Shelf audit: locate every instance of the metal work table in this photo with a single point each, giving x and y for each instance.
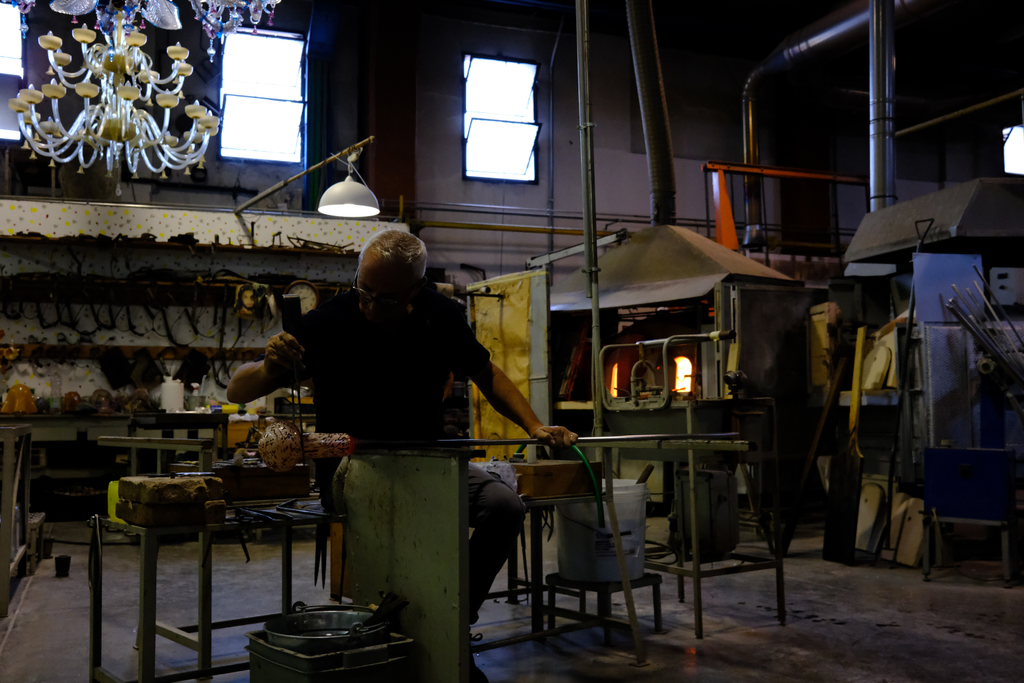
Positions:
(754, 416)
(168, 422)
(16, 461)
(655, 449)
(197, 637)
(69, 426)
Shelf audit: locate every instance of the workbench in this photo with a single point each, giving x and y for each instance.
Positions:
(16, 457)
(754, 419)
(75, 427)
(197, 637)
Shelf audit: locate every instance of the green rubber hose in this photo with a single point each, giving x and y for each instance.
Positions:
(593, 481)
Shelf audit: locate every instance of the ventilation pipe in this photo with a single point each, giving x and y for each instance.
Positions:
(882, 47)
(831, 36)
(653, 111)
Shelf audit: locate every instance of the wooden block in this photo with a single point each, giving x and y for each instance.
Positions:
(909, 552)
(871, 517)
(337, 548)
(876, 368)
(167, 491)
(256, 482)
(188, 514)
(899, 512)
(555, 478)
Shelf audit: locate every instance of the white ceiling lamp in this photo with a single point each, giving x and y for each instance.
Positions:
(349, 198)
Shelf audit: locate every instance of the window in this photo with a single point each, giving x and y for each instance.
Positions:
(261, 97)
(10, 41)
(1013, 150)
(500, 129)
(11, 70)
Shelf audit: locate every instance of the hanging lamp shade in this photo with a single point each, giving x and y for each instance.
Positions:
(350, 199)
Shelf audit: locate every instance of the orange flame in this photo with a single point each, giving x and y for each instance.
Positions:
(684, 375)
(615, 380)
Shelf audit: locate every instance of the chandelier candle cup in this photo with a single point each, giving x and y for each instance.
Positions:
(85, 36)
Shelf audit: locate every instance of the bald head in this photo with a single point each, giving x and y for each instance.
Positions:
(397, 250)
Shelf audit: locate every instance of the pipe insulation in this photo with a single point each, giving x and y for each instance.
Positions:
(650, 86)
(833, 35)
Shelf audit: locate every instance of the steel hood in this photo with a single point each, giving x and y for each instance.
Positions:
(983, 216)
(661, 263)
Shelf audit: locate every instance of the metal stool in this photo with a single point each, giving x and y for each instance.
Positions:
(604, 591)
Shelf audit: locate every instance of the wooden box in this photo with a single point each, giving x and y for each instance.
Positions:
(555, 478)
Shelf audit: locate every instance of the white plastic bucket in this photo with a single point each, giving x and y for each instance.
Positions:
(586, 552)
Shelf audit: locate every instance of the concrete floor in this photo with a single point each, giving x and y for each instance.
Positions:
(864, 623)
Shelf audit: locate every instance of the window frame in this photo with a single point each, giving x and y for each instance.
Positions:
(303, 121)
(462, 121)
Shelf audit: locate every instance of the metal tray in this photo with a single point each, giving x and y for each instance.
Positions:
(395, 646)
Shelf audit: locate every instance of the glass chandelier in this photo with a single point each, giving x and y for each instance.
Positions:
(221, 18)
(114, 78)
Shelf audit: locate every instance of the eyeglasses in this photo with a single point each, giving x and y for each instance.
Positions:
(367, 299)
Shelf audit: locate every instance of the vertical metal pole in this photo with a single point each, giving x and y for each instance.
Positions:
(150, 545)
(7, 498)
(95, 600)
(751, 155)
(204, 633)
(881, 46)
(780, 552)
(286, 571)
(551, 141)
(590, 252)
(536, 573)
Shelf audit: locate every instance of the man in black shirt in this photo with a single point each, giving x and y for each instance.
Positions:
(379, 356)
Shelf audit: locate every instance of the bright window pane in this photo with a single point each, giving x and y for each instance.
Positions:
(261, 95)
(263, 66)
(500, 149)
(499, 90)
(246, 133)
(1013, 150)
(10, 40)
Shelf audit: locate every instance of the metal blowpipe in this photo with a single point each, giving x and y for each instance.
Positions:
(283, 445)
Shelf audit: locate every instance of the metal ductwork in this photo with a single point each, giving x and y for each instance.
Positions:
(882, 93)
(653, 111)
(831, 36)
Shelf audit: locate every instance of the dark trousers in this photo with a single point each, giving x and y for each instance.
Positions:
(496, 516)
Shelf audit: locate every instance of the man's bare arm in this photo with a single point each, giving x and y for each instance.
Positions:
(259, 378)
(504, 397)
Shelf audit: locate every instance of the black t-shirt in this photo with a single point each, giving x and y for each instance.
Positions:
(377, 383)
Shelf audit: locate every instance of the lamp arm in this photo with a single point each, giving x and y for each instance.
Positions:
(275, 188)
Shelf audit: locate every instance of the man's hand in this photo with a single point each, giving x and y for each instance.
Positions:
(558, 437)
(283, 351)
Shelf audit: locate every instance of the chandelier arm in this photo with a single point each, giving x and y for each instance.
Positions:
(60, 124)
(155, 169)
(61, 73)
(81, 154)
(173, 75)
